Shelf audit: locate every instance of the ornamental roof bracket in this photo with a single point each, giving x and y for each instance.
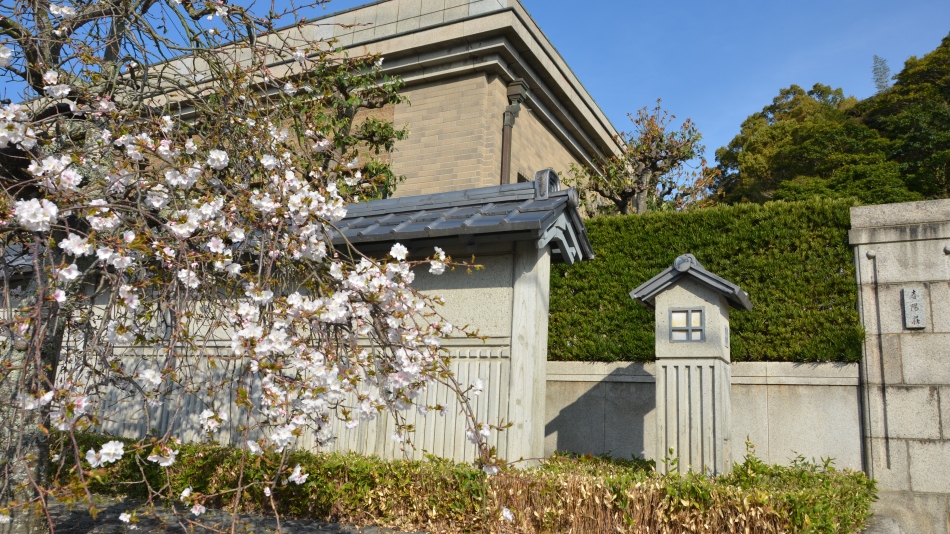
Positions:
(546, 182)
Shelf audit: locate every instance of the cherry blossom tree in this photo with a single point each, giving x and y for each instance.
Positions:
(171, 174)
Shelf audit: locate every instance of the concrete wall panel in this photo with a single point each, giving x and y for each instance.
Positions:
(785, 410)
(627, 409)
(822, 420)
(481, 299)
(750, 420)
(574, 418)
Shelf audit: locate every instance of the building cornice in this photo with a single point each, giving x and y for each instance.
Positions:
(504, 41)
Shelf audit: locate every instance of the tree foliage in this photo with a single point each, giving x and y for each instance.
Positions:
(653, 171)
(915, 115)
(806, 144)
(891, 147)
(170, 180)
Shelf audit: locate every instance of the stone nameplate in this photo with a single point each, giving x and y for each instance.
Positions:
(915, 314)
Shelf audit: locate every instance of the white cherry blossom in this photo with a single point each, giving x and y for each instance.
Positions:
(151, 376)
(111, 451)
(218, 159)
(164, 457)
(269, 162)
(71, 272)
(6, 56)
(298, 477)
(399, 252)
(62, 11)
(57, 91)
(36, 215)
(189, 278)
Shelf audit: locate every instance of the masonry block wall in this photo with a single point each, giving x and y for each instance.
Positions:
(535, 147)
(454, 141)
(454, 136)
(902, 258)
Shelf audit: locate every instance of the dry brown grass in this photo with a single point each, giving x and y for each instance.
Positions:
(584, 504)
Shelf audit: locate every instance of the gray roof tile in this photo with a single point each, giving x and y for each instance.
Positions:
(501, 213)
(688, 266)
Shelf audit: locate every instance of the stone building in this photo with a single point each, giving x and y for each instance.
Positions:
(490, 100)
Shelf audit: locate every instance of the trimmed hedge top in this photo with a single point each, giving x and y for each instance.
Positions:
(792, 258)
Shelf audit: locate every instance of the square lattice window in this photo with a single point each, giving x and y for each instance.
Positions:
(687, 325)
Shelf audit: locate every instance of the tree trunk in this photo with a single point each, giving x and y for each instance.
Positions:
(640, 203)
(24, 435)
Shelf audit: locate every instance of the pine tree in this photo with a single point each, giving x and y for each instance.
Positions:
(882, 74)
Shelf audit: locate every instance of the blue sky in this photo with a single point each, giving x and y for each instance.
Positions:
(719, 61)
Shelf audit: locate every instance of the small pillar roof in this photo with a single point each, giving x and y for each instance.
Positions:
(688, 267)
(537, 211)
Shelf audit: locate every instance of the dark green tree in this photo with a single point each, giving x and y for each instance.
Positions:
(915, 115)
(891, 147)
(805, 144)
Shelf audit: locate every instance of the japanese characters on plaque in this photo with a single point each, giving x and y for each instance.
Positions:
(915, 313)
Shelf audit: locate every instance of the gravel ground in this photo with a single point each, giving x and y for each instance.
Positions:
(78, 521)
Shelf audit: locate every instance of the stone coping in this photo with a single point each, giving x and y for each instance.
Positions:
(904, 213)
(743, 373)
(901, 233)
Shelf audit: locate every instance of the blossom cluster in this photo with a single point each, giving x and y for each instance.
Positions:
(192, 261)
(207, 242)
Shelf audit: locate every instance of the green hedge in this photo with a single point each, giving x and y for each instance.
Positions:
(562, 494)
(792, 258)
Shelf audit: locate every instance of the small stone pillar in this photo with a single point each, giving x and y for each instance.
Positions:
(693, 378)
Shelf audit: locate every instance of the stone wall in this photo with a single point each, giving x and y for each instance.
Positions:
(785, 410)
(902, 258)
(506, 302)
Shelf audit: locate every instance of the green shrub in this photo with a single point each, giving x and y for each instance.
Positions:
(792, 258)
(563, 494)
(813, 497)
